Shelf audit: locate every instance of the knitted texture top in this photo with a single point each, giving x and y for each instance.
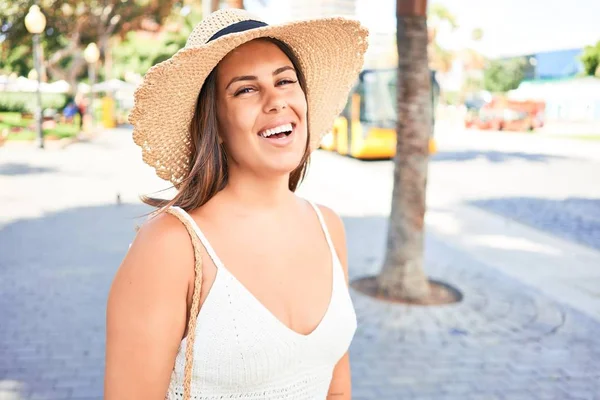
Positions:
(242, 351)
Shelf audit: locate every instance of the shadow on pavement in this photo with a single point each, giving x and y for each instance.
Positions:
(492, 156)
(14, 169)
(576, 219)
(55, 273)
(471, 155)
(56, 270)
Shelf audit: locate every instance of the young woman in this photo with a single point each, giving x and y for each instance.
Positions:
(256, 304)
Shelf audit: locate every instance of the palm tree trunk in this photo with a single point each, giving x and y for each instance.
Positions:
(402, 274)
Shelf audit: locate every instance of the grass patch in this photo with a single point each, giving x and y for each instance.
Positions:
(23, 129)
(57, 133)
(27, 101)
(10, 119)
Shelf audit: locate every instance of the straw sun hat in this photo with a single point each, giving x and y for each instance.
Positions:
(330, 52)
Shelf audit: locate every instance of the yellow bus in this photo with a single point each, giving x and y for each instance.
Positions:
(366, 128)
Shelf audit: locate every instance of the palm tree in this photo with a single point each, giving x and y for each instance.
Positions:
(402, 275)
(439, 17)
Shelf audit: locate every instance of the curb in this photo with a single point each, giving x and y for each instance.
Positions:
(560, 268)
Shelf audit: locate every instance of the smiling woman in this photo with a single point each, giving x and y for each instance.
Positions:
(231, 121)
(228, 104)
(270, 105)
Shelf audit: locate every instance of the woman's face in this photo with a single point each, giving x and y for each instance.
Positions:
(261, 109)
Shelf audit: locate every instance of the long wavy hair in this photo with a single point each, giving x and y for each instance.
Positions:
(208, 173)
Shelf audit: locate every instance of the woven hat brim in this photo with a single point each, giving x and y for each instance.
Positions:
(331, 54)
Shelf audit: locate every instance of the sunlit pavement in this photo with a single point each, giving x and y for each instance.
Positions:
(500, 229)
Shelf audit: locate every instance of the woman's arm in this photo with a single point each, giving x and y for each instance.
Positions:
(341, 382)
(147, 311)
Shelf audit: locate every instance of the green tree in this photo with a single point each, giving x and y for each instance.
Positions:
(477, 34)
(591, 60)
(138, 52)
(439, 17)
(441, 13)
(504, 75)
(71, 25)
(176, 39)
(473, 66)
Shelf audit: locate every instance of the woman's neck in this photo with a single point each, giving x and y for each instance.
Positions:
(257, 193)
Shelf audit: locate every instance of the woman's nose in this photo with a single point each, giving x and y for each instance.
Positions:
(275, 102)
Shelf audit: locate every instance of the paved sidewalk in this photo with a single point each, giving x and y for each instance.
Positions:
(529, 324)
(505, 340)
(565, 271)
(525, 330)
(448, 137)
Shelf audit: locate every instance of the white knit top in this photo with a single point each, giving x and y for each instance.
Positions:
(242, 351)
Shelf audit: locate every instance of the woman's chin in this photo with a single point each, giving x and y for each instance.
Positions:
(283, 166)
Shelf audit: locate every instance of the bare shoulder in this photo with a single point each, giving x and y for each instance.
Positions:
(162, 229)
(164, 245)
(146, 310)
(336, 229)
(158, 263)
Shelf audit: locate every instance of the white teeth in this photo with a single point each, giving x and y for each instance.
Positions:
(276, 130)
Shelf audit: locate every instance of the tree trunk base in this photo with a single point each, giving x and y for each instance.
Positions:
(440, 293)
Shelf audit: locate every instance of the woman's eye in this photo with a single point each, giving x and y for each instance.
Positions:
(243, 91)
(286, 82)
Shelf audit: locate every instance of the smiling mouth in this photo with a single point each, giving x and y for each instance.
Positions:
(278, 132)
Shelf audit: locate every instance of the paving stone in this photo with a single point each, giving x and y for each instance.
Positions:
(505, 340)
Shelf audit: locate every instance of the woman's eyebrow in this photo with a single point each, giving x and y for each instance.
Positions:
(283, 69)
(241, 78)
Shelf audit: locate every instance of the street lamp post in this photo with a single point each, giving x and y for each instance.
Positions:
(35, 22)
(91, 55)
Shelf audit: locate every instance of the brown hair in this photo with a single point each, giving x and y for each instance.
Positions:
(207, 174)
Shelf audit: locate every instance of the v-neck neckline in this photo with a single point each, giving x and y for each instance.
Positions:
(271, 315)
(221, 267)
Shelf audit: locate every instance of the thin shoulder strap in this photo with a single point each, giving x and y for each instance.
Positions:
(323, 226)
(191, 334)
(194, 226)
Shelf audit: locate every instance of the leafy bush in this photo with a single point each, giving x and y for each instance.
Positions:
(26, 101)
(591, 60)
(503, 75)
(7, 106)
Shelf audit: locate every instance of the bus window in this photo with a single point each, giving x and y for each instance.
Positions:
(378, 99)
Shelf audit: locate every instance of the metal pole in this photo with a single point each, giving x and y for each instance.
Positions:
(38, 109)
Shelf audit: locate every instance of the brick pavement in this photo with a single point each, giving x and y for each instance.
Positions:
(55, 273)
(573, 218)
(506, 340)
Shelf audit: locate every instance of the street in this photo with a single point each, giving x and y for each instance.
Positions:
(513, 222)
(551, 184)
